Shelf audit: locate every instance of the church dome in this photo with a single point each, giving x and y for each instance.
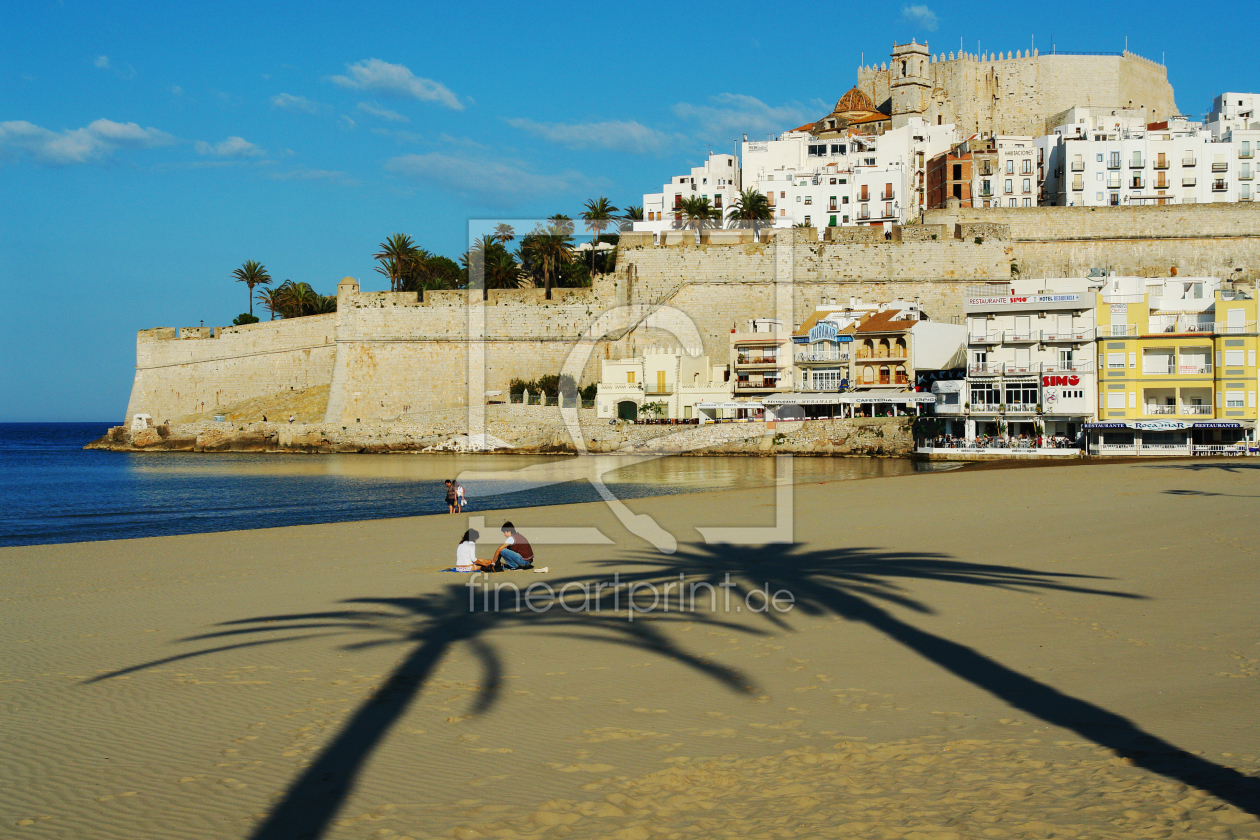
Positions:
(854, 100)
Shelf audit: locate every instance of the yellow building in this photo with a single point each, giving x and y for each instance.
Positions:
(1176, 367)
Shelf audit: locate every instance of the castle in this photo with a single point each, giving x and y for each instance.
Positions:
(385, 357)
(1012, 93)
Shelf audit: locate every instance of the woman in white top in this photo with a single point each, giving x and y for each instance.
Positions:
(466, 552)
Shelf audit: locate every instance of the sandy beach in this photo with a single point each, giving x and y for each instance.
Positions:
(1024, 653)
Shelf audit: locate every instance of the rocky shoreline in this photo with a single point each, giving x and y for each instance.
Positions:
(889, 437)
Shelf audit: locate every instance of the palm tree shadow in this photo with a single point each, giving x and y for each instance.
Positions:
(857, 584)
(429, 626)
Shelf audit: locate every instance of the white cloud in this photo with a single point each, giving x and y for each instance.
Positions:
(384, 113)
(102, 61)
(232, 147)
(396, 80)
(299, 104)
(494, 180)
(920, 15)
(730, 115)
(97, 141)
(346, 123)
(332, 176)
(614, 135)
(125, 71)
(176, 90)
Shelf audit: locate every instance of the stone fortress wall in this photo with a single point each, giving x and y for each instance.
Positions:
(391, 357)
(1018, 93)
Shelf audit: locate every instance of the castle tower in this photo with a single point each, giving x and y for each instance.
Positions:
(910, 82)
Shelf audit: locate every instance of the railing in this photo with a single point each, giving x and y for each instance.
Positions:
(756, 360)
(825, 387)
(1165, 370)
(1078, 166)
(1193, 370)
(1163, 164)
(1220, 167)
(1073, 335)
(1113, 183)
(1137, 163)
(1189, 161)
(1220, 449)
(863, 217)
(990, 338)
(1189, 181)
(824, 356)
(1016, 337)
(1113, 164)
(886, 196)
(1246, 155)
(985, 369)
(1160, 409)
(1117, 447)
(985, 408)
(1021, 408)
(1066, 367)
(1196, 409)
(1078, 186)
(1219, 186)
(1025, 367)
(1226, 328)
(657, 388)
(1245, 176)
(1116, 330)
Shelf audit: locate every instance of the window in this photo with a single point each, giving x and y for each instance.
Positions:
(957, 171)
(1021, 393)
(888, 211)
(629, 377)
(986, 187)
(798, 198)
(1014, 202)
(1133, 399)
(1009, 187)
(1115, 360)
(984, 393)
(844, 199)
(1233, 399)
(807, 221)
(1028, 185)
(1115, 400)
(831, 205)
(1010, 167)
(1026, 168)
(1028, 202)
(837, 148)
(1098, 157)
(782, 194)
(1114, 161)
(1234, 358)
(809, 199)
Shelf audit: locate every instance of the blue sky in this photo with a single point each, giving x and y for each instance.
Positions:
(147, 149)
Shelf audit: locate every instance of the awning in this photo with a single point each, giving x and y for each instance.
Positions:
(1166, 425)
(802, 399)
(898, 397)
(713, 405)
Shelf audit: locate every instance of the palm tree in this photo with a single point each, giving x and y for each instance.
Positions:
(399, 249)
(632, 214)
(599, 216)
(272, 300)
(697, 213)
(504, 233)
(550, 248)
(750, 209)
(252, 274)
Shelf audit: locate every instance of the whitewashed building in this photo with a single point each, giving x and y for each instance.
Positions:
(669, 378)
(717, 180)
(1031, 367)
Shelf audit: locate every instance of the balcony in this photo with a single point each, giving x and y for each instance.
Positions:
(886, 196)
(823, 356)
(1159, 409)
(1189, 181)
(1137, 163)
(1244, 155)
(765, 385)
(1021, 337)
(1135, 184)
(1021, 408)
(1219, 186)
(1220, 167)
(990, 338)
(1116, 330)
(985, 408)
(984, 369)
(1078, 186)
(1189, 162)
(1245, 175)
(1240, 328)
(1193, 370)
(1113, 164)
(1163, 164)
(823, 388)
(1078, 166)
(1066, 367)
(658, 388)
(1011, 368)
(1162, 184)
(863, 216)
(756, 361)
(1196, 409)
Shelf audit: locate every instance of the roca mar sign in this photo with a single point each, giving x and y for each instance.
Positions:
(1056, 381)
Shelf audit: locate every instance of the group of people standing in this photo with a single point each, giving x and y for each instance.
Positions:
(455, 500)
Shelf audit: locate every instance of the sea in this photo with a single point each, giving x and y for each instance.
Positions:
(52, 490)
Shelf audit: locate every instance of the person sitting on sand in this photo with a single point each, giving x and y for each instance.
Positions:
(466, 552)
(516, 552)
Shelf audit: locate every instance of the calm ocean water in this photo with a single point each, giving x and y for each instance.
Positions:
(52, 490)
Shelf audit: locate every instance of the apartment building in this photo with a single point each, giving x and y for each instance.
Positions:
(761, 359)
(1031, 368)
(717, 180)
(1177, 366)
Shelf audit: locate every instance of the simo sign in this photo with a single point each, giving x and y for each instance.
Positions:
(1051, 381)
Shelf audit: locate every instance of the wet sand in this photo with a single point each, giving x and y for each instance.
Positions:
(997, 653)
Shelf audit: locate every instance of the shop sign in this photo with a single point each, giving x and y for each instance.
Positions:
(1009, 300)
(1160, 425)
(1053, 381)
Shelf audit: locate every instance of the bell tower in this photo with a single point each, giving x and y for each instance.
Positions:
(909, 80)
